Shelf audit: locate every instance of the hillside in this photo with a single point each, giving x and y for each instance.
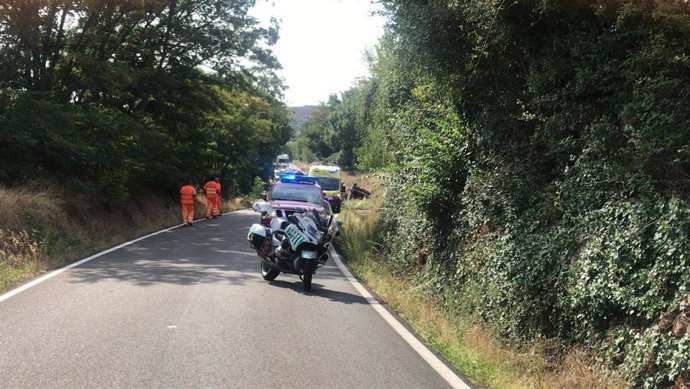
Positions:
(299, 115)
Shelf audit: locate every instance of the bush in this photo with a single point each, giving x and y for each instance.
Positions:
(258, 188)
(540, 169)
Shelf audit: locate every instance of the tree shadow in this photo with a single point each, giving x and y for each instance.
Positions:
(175, 257)
(317, 290)
(207, 253)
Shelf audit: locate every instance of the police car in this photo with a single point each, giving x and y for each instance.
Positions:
(293, 191)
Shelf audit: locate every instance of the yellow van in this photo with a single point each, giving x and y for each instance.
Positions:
(329, 180)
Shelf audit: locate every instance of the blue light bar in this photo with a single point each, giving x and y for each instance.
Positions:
(297, 179)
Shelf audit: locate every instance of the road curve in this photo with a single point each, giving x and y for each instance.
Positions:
(187, 308)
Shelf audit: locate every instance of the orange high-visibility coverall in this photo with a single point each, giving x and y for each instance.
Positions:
(187, 193)
(219, 205)
(211, 189)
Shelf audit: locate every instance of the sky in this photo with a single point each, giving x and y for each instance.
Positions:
(322, 44)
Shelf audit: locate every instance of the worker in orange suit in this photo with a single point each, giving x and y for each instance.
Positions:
(211, 190)
(187, 193)
(218, 209)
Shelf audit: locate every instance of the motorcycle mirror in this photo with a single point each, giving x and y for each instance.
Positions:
(263, 208)
(339, 223)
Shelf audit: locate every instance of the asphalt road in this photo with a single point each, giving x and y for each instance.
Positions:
(188, 308)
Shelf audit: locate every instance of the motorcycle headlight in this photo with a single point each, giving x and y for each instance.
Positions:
(309, 254)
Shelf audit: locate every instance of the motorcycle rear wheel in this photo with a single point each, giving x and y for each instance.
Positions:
(268, 273)
(308, 271)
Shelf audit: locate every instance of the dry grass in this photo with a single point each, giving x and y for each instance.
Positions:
(19, 203)
(465, 342)
(236, 204)
(20, 257)
(303, 166)
(17, 248)
(46, 228)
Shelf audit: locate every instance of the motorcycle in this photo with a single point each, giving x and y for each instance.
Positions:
(297, 244)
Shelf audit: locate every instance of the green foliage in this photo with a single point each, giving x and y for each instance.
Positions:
(348, 131)
(258, 188)
(540, 155)
(114, 95)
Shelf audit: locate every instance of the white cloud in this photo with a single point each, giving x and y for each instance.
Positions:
(322, 44)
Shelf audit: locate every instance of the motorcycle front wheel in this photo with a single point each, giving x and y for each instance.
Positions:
(308, 271)
(268, 273)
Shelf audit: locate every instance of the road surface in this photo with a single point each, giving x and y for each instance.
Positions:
(187, 308)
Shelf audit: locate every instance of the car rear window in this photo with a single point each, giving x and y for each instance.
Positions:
(295, 192)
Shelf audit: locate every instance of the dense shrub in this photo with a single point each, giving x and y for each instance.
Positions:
(540, 156)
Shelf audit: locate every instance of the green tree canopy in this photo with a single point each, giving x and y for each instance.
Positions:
(113, 93)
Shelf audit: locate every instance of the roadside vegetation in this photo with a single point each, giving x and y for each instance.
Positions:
(106, 98)
(533, 161)
(537, 173)
(463, 340)
(43, 229)
(107, 108)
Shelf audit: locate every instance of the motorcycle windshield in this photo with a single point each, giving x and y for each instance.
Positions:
(320, 204)
(321, 211)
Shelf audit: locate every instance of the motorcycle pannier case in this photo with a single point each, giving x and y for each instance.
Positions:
(257, 236)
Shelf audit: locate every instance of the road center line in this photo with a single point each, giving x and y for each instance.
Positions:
(439, 366)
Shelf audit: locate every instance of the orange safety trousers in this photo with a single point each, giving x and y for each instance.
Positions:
(218, 206)
(212, 202)
(187, 213)
(187, 193)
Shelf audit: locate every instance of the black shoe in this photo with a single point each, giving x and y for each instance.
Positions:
(184, 225)
(190, 224)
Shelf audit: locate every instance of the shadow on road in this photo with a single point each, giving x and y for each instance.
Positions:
(318, 291)
(213, 252)
(202, 254)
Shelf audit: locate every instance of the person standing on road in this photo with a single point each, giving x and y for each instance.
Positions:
(211, 191)
(187, 193)
(218, 209)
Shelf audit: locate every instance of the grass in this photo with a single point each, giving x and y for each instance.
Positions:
(18, 205)
(19, 258)
(470, 345)
(42, 229)
(236, 204)
(11, 275)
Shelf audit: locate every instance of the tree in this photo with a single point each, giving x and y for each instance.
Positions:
(121, 91)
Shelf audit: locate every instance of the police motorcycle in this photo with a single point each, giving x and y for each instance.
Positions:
(297, 244)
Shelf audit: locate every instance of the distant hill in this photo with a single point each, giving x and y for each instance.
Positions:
(299, 115)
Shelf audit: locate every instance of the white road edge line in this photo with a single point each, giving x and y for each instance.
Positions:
(453, 379)
(419, 347)
(63, 269)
